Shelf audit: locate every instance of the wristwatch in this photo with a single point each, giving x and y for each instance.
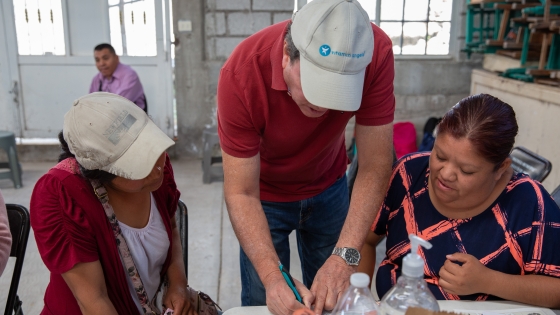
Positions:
(350, 255)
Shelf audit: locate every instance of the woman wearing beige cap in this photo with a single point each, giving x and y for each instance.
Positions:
(103, 217)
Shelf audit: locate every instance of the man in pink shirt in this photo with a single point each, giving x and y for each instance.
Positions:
(115, 77)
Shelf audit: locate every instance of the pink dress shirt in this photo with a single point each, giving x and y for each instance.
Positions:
(5, 236)
(124, 82)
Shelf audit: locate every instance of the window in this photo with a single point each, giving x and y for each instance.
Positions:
(133, 28)
(416, 27)
(39, 27)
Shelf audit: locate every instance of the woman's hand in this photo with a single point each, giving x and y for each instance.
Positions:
(464, 274)
(177, 299)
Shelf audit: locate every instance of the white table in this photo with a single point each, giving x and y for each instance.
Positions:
(470, 307)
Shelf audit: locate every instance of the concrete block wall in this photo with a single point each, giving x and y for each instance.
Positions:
(228, 22)
(430, 88)
(218, 27)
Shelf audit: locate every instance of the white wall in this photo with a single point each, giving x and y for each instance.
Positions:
(93, 14)
(537, 109)
(8, 111)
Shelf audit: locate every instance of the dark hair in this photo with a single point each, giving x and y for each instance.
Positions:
(105, 46)
(292, 50)
(488, 123)
(102, 176)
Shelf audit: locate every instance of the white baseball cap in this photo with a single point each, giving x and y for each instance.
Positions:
(335, 41)
(107, 132)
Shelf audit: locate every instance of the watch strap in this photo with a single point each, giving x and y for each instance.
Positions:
(341, 251)
(338, 251)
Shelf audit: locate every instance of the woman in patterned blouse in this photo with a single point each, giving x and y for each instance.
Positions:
(494, 232)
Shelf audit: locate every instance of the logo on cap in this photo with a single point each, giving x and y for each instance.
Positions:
(119, 127)
(325, 50)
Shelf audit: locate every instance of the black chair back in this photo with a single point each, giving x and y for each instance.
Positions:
(530, 163)
(182, 217)
(556, 195)
(18, 217)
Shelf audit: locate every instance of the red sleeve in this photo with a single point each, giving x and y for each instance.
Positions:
(378, 100)
(238, 135)
(173, 193)
(63, 234)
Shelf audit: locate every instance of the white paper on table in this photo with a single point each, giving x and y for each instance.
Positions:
(515, 311)
(465, 307)
(493, 308)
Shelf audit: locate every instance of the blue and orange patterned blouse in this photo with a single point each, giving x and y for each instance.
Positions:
(518, 234)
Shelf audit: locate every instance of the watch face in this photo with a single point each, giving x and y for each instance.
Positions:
(352, 256)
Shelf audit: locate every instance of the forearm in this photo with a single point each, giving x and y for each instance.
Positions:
(176, 271)
(87, 283)
(367, 197)
(367, 264)
(375, 159)
(242, 195)
(368, 252)
(97, 306)
(530, 289)
(251, 228)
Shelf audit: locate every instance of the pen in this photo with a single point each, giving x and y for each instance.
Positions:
(290, 281)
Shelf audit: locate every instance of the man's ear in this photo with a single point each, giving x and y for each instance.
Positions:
(285, 55)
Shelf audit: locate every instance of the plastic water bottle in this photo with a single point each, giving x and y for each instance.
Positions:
(411, 289)
(357, 300)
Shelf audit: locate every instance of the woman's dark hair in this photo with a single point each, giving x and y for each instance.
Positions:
(488, 123)
(102, 176)
(292, 50)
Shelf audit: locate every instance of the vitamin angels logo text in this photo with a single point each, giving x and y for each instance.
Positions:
(325, 50)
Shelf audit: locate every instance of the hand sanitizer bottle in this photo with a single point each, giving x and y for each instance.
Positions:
(411, 290)
(357, 300)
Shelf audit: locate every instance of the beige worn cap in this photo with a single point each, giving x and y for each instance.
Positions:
(335, 41)
(107, 132)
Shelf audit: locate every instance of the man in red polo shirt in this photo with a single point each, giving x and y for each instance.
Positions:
(285, 96)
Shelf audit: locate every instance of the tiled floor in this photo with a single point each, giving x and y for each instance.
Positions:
(213, 247)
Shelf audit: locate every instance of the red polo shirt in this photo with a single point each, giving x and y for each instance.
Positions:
(300, 156)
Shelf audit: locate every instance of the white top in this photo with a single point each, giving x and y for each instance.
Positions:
(148, 247)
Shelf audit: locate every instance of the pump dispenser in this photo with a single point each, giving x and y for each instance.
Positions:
(413, 264)
(411, 289)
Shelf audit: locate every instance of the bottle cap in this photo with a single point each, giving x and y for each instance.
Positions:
(413, 264)
(359, 280)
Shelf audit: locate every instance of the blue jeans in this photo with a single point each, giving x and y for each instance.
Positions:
(317, 221)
